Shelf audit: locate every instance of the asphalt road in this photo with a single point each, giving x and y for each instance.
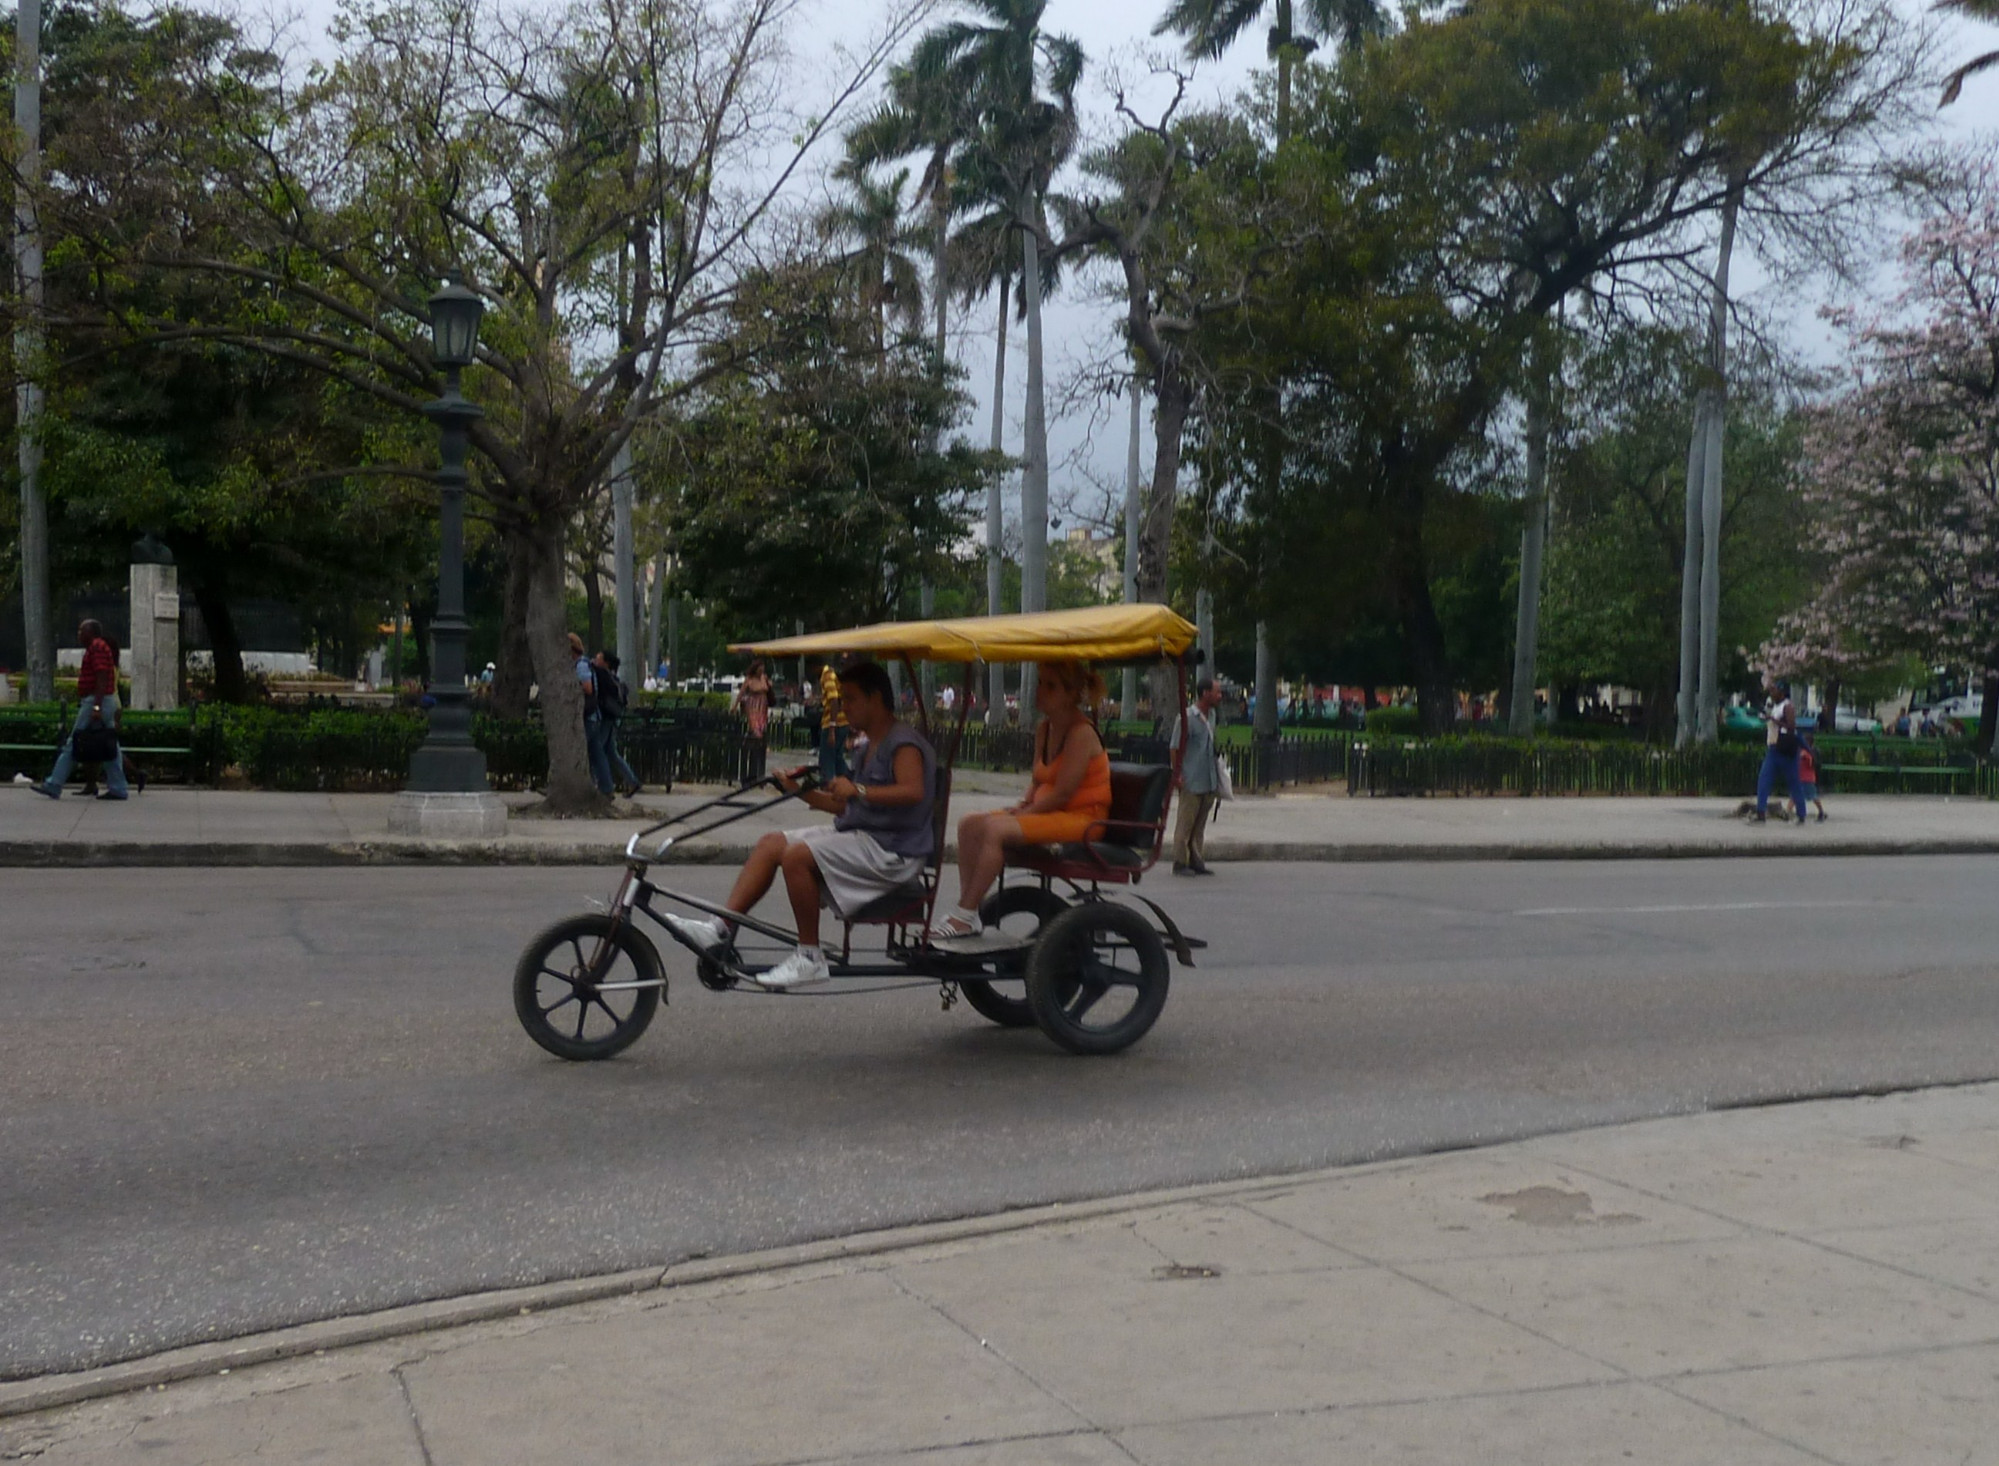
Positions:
(231, 1100)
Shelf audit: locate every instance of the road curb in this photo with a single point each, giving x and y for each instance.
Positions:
(194, 1361)
(47, 1392)
(143, 853)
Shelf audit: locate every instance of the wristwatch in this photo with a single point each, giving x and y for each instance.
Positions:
(861, 793)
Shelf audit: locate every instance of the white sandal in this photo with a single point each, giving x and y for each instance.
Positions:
(954, 928)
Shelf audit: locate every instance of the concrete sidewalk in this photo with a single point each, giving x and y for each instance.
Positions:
(1806, 1283)
(173, 826)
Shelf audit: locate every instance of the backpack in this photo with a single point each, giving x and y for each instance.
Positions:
(610, 694)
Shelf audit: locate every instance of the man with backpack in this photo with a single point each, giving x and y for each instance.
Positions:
(611, 705)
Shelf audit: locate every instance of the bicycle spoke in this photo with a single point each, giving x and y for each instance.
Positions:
(1090, 986)
(582, 1014)
(559, 1002)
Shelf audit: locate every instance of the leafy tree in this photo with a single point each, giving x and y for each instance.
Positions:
(872, 220)
(1023, 83)
(803, 483)
(1985, 10)
(1900, 470)
(1619, 464)
(1445, 189)
(263, 477)
(581, 167)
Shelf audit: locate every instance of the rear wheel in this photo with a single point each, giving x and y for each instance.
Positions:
(1019, 911)
(570, 993)
(1097, 979)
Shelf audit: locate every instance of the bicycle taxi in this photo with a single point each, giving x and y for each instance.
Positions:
(1073, 948)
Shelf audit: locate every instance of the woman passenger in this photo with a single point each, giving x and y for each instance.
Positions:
(1070, 793)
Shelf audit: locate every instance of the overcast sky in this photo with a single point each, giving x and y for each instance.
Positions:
(1088, 435)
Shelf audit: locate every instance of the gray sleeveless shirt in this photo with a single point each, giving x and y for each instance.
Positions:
(908, 830)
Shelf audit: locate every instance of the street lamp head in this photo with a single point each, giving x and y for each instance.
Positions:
(454, 324)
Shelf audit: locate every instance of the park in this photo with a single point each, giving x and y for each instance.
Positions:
(1357, 639)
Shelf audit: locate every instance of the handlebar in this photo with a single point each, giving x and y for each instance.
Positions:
(805, 779)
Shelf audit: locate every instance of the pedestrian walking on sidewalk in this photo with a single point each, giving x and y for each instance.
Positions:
(753, 702)
(1780, 751)
(610, 689)
(1808, 774)
(593, 717)
(1200, 780)
(833, 729)
(94, 739)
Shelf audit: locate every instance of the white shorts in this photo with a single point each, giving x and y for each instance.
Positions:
(853, 867)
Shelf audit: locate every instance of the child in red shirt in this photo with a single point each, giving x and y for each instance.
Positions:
(1808, 776)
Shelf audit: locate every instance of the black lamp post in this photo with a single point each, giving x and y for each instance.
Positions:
(448, 762)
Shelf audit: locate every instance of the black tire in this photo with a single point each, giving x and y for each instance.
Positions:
(980, 995)
(556, 992)
(1097, 979)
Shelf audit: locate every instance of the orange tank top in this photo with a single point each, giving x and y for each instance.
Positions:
(1093, 795)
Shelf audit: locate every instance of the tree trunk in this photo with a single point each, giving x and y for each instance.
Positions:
(423, 611)
(225, 647)
(673, 639)
(1533, 540)
(1422, 633)
(656, 600)
(37, 603)
(593, 603)
(1988, 714)
(569, 789)
(1708, 700)
(625, 567)
(1686, 705)
(515, 673)
(996, 518)
(1170, 402)
(1034, 475)
(1133, 519)
(1266, 684)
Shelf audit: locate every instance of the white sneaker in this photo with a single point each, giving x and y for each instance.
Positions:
(22, 779)
(797, 971)
(705, 932)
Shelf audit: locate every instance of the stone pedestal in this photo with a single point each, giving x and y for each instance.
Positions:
(155, 636)
(448, 816)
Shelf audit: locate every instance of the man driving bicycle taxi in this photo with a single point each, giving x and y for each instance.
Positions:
(880, 841)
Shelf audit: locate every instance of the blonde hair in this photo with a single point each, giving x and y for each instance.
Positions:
(1079, 677)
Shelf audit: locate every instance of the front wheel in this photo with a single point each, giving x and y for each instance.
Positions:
(1097, 979)
(575, 989)
(1022, 912)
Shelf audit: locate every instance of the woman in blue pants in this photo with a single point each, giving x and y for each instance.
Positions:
(1780, 752)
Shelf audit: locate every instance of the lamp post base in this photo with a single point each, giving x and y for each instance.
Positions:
(448, 816)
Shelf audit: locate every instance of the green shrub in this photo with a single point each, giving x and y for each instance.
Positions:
(1396, 722)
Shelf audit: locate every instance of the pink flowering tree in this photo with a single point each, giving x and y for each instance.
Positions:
(1899, 477)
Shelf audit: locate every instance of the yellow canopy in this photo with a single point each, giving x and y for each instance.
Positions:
(1096, 634)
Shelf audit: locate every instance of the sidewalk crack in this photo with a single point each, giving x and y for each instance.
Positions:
(1009, 1361)
(416, 1421)
(1826, 1244)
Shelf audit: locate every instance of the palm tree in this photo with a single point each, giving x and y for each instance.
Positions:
(871, 217)
(1015, 112)
(1210, 27)
(1986, 10)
